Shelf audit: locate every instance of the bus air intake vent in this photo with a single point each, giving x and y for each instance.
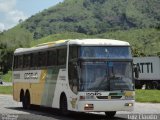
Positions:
(109, 97)
(102, 97)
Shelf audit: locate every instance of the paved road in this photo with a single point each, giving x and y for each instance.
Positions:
(10, 108)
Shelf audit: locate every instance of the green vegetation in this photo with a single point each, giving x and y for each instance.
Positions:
(94, 17)
(7, 77)
(151, 96)
(6, 89)
(9, 41)
(130, 20)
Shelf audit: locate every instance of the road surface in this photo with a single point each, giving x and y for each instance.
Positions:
(12, 109)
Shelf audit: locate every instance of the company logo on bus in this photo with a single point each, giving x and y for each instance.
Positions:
(92, 94)
(31, 76)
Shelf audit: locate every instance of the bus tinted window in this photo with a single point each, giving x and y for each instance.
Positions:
(52, 58)
(20, 61)
(106, 52)
(15, 62)
(42, 59)
(26, 61)
(73, 52)
(73, 76)
(62, 54)
(35, 60)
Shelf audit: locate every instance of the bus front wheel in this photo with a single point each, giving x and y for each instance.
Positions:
(63, 105)
(110, 114)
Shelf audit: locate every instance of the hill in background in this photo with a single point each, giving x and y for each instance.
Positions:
(94, 17)
(135, 21)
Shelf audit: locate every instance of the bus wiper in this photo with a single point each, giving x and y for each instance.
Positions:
(121, 88)
(102, 82)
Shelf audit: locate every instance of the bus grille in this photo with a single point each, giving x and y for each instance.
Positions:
(109, 97)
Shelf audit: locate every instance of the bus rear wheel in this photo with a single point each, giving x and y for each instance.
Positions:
(23, 102)
(26, 101)
(110, 114)
(63, 105)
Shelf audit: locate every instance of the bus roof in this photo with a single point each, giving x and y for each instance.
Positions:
(98, 42)
(82, 42)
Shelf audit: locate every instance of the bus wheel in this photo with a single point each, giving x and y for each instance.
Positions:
(23, 102)
(110, 114)
(26, 101)
(22, 99)
(63, 105)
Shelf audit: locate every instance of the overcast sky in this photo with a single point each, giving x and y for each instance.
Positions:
(11, 11)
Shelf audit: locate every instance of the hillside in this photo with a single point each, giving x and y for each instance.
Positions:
(94, 17)
(136, 21)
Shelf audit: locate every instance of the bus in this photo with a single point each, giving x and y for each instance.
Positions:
(81, 75)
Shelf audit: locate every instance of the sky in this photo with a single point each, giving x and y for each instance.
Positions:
(11, 11)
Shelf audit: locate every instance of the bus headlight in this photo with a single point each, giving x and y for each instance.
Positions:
(88, 107)
(128, 104)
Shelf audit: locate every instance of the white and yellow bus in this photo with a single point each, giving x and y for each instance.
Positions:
(88, 75)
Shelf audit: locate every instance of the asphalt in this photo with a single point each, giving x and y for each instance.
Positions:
(13, 109)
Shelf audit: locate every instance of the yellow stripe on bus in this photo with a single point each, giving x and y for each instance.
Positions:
(38, 89)
(51, 43)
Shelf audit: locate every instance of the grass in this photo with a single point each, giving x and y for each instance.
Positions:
(7, 77)
(5, 89)
(151, 96)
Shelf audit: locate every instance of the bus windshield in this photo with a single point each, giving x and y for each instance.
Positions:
(106, 76)
(105, 52)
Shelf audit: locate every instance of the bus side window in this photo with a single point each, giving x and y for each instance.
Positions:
(73, 76)
(15, 66)
(42, 59)
(72, 68)
(73, 52)
(52, 58)
(34, 60)
(20, 61)
(26, 61)
(62, 55)
(31, 60)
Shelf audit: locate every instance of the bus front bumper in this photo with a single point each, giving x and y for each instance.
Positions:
(102, 106)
